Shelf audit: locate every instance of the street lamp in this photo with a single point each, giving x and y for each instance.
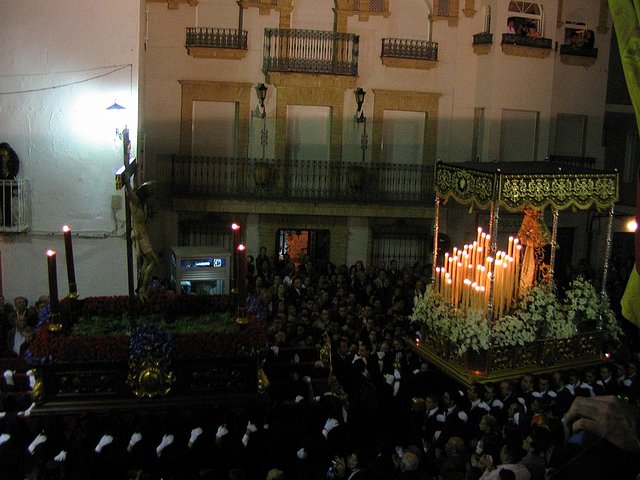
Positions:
(261, 91)
(360, 118)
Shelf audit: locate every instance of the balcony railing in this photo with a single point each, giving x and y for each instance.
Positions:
(483, 38)
(299, 180)
(216, 38)
(578, 51)
(587, 162)
(310, 51)
(536, 42)
(406, 48)
(15, 211)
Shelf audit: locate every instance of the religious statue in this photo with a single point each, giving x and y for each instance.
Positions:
(534, 235)
(146, 255)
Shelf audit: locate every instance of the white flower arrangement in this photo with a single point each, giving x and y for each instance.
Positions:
(582, 302)
(539, 314)
(470, 332)
(511, 330)
(541, 308)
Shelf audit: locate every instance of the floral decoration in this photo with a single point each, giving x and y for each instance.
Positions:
(538, 315)
(513, 330)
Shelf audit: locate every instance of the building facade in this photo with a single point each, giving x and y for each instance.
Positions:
(305, 168)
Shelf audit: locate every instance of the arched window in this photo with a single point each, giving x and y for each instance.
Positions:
(525, 18)
(487, 19)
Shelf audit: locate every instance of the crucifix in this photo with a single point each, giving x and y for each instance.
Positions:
(126, 173)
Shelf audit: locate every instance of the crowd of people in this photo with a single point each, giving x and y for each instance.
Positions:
(382, 413)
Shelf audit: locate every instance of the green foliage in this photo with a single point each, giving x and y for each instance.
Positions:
(102, 326)
(96, 325)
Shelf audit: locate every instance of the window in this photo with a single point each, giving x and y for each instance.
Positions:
(525, 18)
(518, 136)
(578, 36)
(487, 19)
(406, 247)
(303, 245)
(570, 133)
(372, 6)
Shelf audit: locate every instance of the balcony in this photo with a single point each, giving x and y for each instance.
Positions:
(573, 55)
(294, 181)
(202, 42)
(310, 51)
(586, 162)
(523, 46)
(406, 53)
(482, 43)
(483, 38)
(15, 212)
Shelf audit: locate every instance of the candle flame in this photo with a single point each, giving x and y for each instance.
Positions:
(66, 228)
(51, 253)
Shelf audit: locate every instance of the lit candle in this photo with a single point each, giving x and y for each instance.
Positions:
(53, 282)
(68, 252)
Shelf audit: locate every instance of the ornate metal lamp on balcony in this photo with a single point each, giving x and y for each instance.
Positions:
(263, 171)
(360, 94)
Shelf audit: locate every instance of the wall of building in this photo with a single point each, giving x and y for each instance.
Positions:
(63, 63)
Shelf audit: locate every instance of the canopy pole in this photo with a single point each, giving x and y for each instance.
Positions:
(607, 251)
(554, 236)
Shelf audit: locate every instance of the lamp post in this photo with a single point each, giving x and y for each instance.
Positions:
(360, 118)
(261, 90)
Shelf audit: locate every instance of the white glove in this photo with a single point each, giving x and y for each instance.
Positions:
(396, 388)
(166, 441)
(302, 453)
(104, 441)
(296, 358)
(275, 349)
(440, 417)
(252, 427)
(388, 378)
(380, 355)
(329, 425)
(318, 364)
(32, 378)
(195, 433)
(61, 457)
(135, 438)
(40, 438)
(306, 379)
(4, 438)
(27, 412)
(299, 398)
(396, 374)
(8, 377)
(399, 451)
(222, 431)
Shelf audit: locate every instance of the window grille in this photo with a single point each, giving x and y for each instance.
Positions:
(444, 8)
(405, 248)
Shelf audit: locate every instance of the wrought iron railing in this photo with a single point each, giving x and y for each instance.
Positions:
(258, 2)
(406, 48)
(216, 38)
(589, 162)
(310, 51)
(15, 206)
(536, 42)
(483, 38)
(317, 181)
(578, 51)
